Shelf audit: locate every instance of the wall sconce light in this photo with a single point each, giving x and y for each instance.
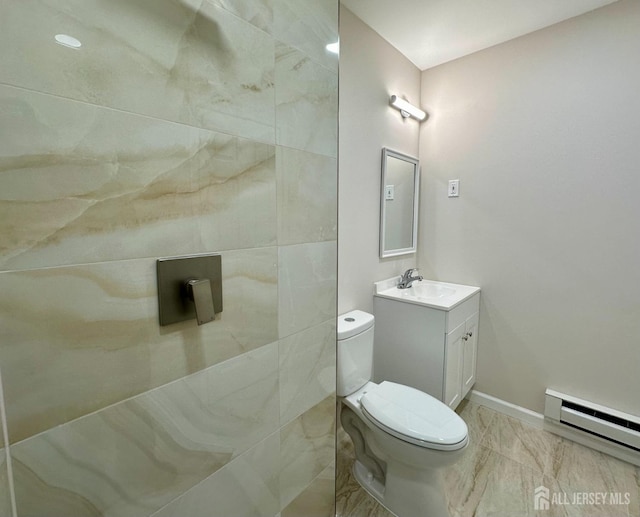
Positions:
(407, 109)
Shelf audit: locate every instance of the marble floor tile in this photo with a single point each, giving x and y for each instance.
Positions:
(505, 462)
(577, 468)
(520, 442)
(460, 479)
(477, 419)
(497, 486)
(569, 503)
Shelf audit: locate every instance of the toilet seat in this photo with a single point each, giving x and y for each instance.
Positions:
(414, 417)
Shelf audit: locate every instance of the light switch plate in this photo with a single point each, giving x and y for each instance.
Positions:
(454, 188)
(389, 192)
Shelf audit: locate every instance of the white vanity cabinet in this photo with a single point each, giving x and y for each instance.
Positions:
(432, 349)
(461, 347)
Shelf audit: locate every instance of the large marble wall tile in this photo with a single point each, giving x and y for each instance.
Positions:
(318, 499)
(5, 488)
(247, 487)
(306, 286)
(307, 369)
(256, 12)
(6, 509)
(85, 184)
(308, 26)
(188, 61)
(132, 458)
(307, 447)
(306, 103)
(76, 339)
(307, 201)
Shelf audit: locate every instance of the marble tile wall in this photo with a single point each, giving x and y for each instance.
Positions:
(6, 492)
(5, 489)
(317, 500)
(307, 449)
(178, 127)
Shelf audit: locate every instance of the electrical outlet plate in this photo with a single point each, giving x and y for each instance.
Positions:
(454, 188)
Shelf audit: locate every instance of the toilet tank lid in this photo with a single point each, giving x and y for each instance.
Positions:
(353, 323)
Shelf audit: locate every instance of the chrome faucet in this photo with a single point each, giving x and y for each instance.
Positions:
(408, 279)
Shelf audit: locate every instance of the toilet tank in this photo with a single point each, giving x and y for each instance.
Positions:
(355, 351)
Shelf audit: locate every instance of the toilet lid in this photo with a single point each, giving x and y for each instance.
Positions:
(414, 416)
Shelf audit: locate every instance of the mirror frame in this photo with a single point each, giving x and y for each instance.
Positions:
(386, 153)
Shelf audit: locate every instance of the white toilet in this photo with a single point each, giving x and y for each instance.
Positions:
(402, 436)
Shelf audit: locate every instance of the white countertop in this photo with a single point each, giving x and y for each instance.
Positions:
(430, 293)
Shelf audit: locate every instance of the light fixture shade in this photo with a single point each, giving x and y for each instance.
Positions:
(407, 109)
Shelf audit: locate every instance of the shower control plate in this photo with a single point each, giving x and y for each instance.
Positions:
(175, 302)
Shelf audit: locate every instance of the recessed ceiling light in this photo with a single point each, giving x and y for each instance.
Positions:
(67, 41)
(334, 47)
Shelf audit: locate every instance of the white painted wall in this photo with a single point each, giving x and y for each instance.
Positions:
(544, 134)
(370, 71)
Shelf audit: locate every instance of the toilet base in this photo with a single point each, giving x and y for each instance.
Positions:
(366, 480)
(411, 495)
(404, 478)
(415, 493)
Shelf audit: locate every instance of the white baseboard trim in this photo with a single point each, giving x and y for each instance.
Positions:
(538, 421)
(506, 408)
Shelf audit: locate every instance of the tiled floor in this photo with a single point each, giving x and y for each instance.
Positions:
(505, 462)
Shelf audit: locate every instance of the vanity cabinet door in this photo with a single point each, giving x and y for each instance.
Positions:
(453, 366)
(469, 353)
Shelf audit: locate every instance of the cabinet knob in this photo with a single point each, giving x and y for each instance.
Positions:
(469, 334)
(464, 338)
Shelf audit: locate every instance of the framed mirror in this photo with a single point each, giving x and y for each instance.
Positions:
(398, 204)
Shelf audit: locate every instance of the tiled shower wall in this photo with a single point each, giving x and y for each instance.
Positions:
(179, 127)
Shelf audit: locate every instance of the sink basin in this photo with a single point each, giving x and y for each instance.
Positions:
(430, 293)
(429, 290)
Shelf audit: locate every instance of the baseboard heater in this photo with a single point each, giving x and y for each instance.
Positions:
(609, 424)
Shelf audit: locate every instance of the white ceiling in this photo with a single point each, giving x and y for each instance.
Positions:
(432, 32)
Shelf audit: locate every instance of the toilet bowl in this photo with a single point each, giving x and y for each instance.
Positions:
(402, 437)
